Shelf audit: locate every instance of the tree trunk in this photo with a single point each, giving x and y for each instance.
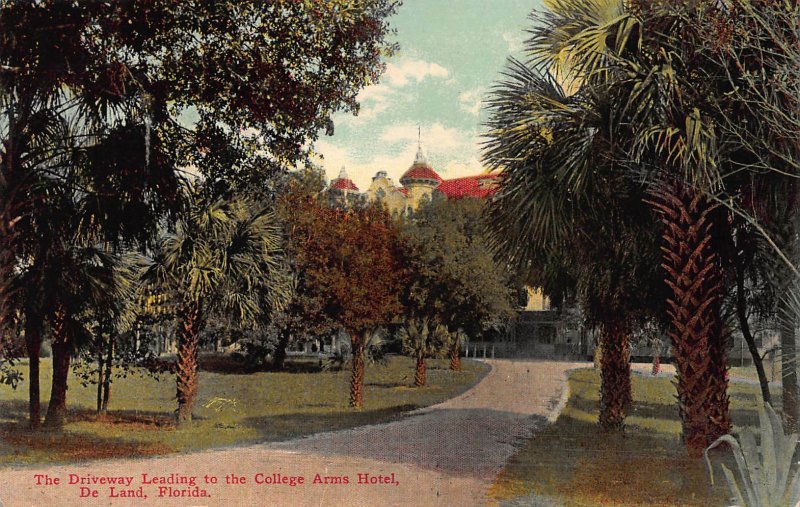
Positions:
(33, 342)
(279, 358)
(188, 348)
(656, 365)
(697, 333)
(790, 392)
(57, 408)
(744, 326)
(419, 373)
(100, 364)
(455, 356)
(357, 378)
(107, 376)
(615, 374)
(597, 356)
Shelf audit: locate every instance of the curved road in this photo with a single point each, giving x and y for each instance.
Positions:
(447, 454)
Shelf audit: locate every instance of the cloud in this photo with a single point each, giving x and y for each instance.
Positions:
(401, 72)
(377, 98)
(374, 100)
(436, 137)
(471, 101)
(515, 40)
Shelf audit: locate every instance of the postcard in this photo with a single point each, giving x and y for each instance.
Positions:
(388, 253)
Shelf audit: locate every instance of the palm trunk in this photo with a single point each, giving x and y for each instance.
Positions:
(615, 374)
(455, 356)
(33, 342)
(693, 274)
(57, 408)
(188, 348)
(357, 378)
(656, 365)
(419, 373)
(107, 376)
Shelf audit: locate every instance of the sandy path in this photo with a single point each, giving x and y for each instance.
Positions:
(445, 455)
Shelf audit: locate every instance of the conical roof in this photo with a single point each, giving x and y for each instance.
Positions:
(420, 170)
(343, 182)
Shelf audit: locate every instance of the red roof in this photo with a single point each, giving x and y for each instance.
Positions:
(479, 186)
(344, 184)
(403, 191)
(421, 172)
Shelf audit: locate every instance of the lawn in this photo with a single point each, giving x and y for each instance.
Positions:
(572, 462)
(232, 409)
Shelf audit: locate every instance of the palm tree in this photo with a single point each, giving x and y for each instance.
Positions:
(422, 338)
(83, 282)
(634, 57)
(457, 341)
(763, 84)
(223, 256)
(567, 208)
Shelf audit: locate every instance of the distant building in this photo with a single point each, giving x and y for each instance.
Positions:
(418, 185)
(343, 192)
(539, 331)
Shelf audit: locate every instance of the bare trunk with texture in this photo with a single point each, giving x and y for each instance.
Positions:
(62, 350)
(615, 374)
(697, 333)
(187, 375)
(455, 356)
(357, 377)
(419, 371)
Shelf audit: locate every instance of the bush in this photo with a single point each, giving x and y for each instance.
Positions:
(766, 475)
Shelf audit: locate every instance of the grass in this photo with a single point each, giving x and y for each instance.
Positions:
(232, 409)
(572, 462)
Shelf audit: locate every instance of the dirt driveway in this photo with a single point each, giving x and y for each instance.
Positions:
(445, 455)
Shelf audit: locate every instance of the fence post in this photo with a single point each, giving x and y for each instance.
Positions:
(493, 351)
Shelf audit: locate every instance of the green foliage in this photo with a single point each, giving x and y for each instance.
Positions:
(768, 475)
(422, 338)
(455, 280)
(223, 256)
(569, 217)
(106, 103)
(376, 343)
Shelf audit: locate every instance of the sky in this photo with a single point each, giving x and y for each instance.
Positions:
(451, 51)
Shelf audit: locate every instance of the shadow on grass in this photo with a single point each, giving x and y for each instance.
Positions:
(233, 365)
(578, 463)
(23, 446)
(389, 385)
(15, 413)
(130, 433)
(742, 417)
(574, 462)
